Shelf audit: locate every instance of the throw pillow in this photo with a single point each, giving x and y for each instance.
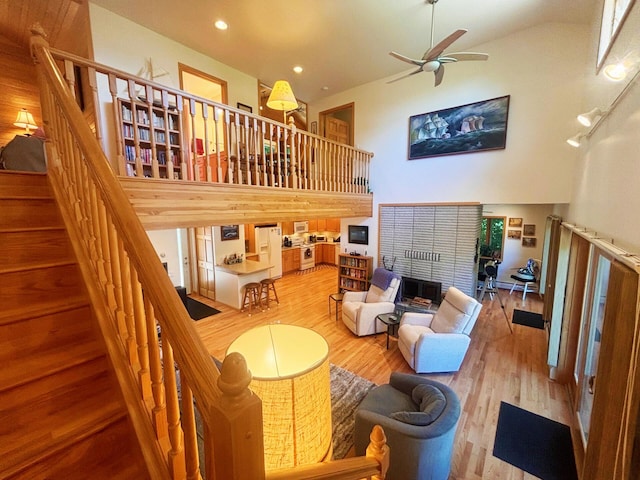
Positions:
(431, 400)
(419, 419)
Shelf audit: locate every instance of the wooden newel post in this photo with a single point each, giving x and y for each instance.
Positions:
(238, 445)
(379, 450)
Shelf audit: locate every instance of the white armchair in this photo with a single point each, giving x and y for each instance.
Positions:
(359, 309)
(438, 341)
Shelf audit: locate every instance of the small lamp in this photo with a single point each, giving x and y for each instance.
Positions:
(25, 120)
(282, 98)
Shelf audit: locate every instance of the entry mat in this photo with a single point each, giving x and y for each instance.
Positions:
(535, 444)
(529, 319)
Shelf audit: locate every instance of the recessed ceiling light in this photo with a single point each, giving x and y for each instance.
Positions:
(298, 69)
(325, 88)
(221, 25)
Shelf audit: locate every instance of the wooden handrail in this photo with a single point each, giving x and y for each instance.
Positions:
(146, 328)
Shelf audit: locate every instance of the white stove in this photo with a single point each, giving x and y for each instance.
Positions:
(307, 256)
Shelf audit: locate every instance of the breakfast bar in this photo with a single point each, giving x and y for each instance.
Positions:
(231, 279)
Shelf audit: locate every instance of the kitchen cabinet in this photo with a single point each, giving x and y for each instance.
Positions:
(290, 260)
(313, 225)
(287, 228)
(326, 253)
(333, 225)
(322, 224)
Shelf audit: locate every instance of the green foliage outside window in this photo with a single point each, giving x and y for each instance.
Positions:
(491, 237)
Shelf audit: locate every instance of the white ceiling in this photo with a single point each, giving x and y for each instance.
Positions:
(339, 43)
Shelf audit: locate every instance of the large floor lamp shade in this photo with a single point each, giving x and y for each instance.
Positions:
(282, 98)
(290, 370)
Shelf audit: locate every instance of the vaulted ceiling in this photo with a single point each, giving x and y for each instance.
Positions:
(339, 43)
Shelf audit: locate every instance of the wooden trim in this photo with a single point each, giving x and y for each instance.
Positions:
(614, 365)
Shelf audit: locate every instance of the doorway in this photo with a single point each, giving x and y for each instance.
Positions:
(337, 124)
(207, 139)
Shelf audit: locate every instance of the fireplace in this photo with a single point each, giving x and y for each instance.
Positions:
(413, 287)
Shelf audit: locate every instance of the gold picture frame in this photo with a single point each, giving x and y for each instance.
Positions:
(515, 222)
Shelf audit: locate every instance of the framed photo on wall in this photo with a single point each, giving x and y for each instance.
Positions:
(515, 222)
(474, 127)
(529, 230)
(529, 242)
(514, 234)
(246, 108)
(229, 232)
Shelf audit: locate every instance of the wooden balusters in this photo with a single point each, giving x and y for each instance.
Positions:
(159, 409)
(176, 450)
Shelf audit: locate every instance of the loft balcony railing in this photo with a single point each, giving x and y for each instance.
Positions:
(149, 130)
(147, 332)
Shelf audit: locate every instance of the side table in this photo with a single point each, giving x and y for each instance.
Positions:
(336, 297)
(391, 320)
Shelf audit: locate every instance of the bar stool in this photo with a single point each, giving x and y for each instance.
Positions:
(268, 285)
(252, 292)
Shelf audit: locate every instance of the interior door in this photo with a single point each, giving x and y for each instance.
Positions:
(205, 261)
(337, 130)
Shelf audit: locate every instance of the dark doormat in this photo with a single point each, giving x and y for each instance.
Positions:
(529, 319)
(535, 444)
(198, 310)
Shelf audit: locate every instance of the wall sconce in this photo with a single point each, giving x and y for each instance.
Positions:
(575, 140)
(25, 120)
(588, 119)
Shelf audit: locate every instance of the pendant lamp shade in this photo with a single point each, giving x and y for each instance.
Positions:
(282, 98)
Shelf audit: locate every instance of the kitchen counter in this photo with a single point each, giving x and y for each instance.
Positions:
(231, 279)
(245, 268)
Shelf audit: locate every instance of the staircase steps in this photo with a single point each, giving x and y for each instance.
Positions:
(62, 414)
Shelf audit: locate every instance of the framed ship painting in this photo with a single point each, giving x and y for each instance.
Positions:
(475, 127)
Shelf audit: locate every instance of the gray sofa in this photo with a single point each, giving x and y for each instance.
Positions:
(418, 451)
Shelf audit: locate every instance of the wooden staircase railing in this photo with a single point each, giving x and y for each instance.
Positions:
(147, 331)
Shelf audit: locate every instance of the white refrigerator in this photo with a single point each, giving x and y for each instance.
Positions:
(269, 244)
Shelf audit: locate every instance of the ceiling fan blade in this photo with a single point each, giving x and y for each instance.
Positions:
(437, 50)
(439, 73)
(419, 63)
(405, 76)
(466, 56)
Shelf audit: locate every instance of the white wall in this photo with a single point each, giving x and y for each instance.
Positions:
(171, 247)
(606, 197)
(541, 68)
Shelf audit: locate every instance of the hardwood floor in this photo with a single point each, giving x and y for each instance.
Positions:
(499, 366)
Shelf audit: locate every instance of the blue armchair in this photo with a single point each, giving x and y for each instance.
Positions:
(421, 435)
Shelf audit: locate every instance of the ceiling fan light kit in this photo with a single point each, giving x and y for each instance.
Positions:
(434, 58)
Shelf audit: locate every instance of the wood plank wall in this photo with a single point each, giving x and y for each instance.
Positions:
(67, 25)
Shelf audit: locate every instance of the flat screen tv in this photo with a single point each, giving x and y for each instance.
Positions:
(413, 287)
(359, 234)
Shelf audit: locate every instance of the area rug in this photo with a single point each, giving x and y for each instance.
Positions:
(535, 444)
(347, 391)
(529, 319)
(198, 310)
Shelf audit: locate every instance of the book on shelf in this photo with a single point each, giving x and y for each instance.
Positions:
(421, 302)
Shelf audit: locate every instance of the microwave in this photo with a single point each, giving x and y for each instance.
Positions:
(301, 227)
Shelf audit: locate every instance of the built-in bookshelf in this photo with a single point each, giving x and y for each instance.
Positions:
(151, 139)
(354, 272)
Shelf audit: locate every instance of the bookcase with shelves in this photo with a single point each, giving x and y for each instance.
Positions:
(354, 272)
(152, 140)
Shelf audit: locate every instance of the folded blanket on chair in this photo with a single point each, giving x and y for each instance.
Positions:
(382, 278)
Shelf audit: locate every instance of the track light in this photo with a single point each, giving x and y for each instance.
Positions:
(575, 140)
(587, 119)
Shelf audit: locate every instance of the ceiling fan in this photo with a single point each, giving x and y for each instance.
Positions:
(434, 58)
